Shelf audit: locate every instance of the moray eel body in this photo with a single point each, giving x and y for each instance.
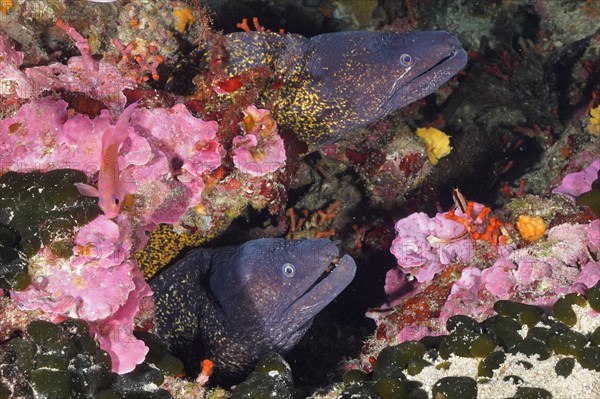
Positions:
(233, 304)
(334, 83)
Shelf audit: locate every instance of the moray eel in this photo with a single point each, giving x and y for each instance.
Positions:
(233, 304)
(334, 83)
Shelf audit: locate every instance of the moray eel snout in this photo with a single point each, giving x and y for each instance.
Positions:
(282, 285)
(434, 57)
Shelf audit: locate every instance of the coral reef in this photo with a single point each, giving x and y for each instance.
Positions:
(124, 141)
(147, 173)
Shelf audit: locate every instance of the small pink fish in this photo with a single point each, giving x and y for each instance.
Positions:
(112, 186)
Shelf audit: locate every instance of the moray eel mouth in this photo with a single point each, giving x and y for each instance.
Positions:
(447, 66)
(336, 276)
(447, 61)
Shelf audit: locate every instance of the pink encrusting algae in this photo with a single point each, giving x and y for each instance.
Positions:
(260, 151)
(424, 245)
(84, 74)
(578, 183)
(98, 284)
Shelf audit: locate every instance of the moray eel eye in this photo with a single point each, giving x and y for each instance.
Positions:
(116, 200)
(288, 270)
(406, 60)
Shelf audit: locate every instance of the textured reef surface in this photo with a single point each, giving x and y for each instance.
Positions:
(134, 131)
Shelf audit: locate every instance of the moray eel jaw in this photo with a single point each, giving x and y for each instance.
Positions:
(276, 287)
(437, 57)
(299, 315)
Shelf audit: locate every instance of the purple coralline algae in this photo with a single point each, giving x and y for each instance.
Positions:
(578, 183)
(98, 79)
(424, 245)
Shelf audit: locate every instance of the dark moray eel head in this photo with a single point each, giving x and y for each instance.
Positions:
(273, 287)
(354, 78)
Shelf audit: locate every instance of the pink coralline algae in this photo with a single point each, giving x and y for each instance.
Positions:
(183, 137)
(41, 137)
(424, 245)
(575, 184)
(98, 79)
(12, 80)
(260, 151)
(534, 274)
(97, 284)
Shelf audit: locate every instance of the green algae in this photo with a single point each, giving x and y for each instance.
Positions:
(141, 382)
(513, 379)
(591, 198)
(363, 389)
(532, 393)
(455, 388)
(159, 355)
(416, 366)
(595, 337)
(589, 358)
(522, 313)
(504, 330)
(541, 334)
(593, 297)
(569, 343)
(51, 384)
(482, 346)
(492, 362)
(13, 267)
(524, 364)
(393, 360)
(272, 378)
(391, 388)
(532, 347)
(563, 308)
(461, 321)
(64, 361)
(458, 343)
(564, 367)
(352, 376)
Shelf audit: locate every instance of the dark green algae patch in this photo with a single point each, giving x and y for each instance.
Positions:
(397, 368)
(58, 361)
(39, 208)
